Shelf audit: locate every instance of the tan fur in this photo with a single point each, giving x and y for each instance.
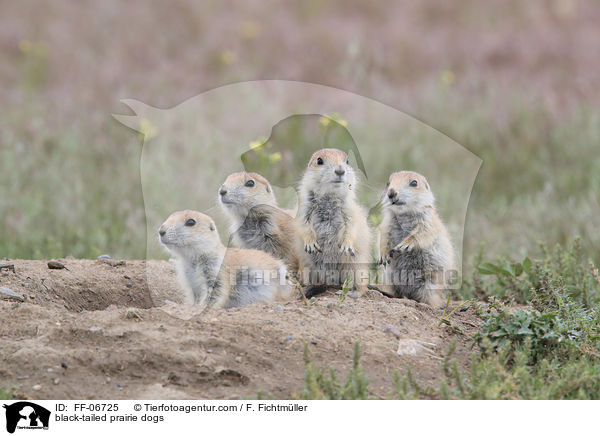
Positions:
(411, 226)
(241, 203)
(322, 192)
(209, 272)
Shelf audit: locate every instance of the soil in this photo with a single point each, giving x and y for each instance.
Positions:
(96, 330)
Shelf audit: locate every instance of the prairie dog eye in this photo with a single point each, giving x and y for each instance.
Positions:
(413, 183)
(319, 161)
(191, 222)
(249, 183)
(348, 161)
(387, 184)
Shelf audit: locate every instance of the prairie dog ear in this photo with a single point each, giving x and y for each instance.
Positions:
(427, 186)
(212, 227)
(268, 188)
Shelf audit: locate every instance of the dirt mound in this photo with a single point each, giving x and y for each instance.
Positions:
(91, 285)
(95, 330)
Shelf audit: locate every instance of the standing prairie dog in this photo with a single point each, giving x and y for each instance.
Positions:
(256, 220)
(331, 225)
(215, 276)
(413, 240)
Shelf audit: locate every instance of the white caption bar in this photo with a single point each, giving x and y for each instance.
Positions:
(296, 417)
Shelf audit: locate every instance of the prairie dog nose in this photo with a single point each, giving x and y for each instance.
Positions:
(391, 193)
(222, 191)
(162, 231)
(340, 171)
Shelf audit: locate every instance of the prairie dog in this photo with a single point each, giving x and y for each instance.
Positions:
(331, 225)
(215, 276)
(413, 241)
(256, 220)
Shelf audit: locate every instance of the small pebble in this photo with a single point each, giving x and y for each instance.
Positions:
(128, 285)
(172, 260)
(279, 308)
(56, 381)
(354, 295)
(103, 256)
(53, 264)
(7, 292)
(313, 342)
(36, 387)
(64, 365)
(288, 338)
(238, 359)
(126, 277)
(389, 328)
(268, 352)
(133, 314)
(209, 351)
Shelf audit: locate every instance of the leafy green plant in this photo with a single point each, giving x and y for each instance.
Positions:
(561, 320)
(511, 280)
(511, 329)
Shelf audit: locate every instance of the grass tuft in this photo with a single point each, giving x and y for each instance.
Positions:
(322, 384)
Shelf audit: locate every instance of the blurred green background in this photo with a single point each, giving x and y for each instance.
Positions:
(514, 82)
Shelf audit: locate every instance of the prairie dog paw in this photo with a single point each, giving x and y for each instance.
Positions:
(347, 249)
(311, 245)
(384, 259)
(406, 245)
